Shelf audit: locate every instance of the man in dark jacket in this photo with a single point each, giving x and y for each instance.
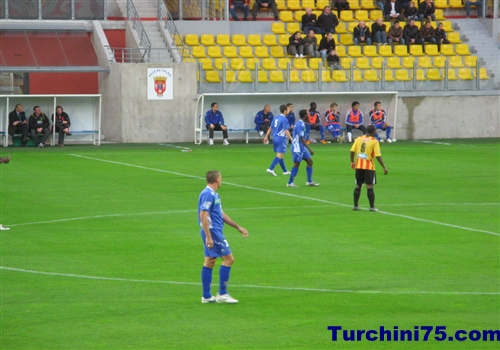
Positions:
(393, 11)
(266, 4)
(296, 45)
(426, 11)
(39, 124)
(18, 124)
(309, 22)
(410, 33)
(427, 34)
(362, 34)
(327, 21)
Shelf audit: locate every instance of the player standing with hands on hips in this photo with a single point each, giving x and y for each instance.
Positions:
(211, 219)
(365, 149)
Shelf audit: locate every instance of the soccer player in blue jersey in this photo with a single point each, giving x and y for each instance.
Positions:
(211, 218)
(281, 135)
(301, 151)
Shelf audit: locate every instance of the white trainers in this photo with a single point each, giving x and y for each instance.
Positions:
(225, 298)
(3, 228)
(225, 142)
(301, 56)
(210, 142)
(286, 173)
(269, 171)
(209, 300)
(381, 141)
(373, 209)
(261, 133)
(296, 55)
(312, 183)
(291, 185)
(389, 140)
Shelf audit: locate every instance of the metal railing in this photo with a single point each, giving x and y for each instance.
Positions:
(144, 41)
(177, 45)
(136, 55)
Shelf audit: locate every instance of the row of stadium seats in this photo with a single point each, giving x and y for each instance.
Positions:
(358, 63)
(347, 16)
(352, 51)
(373, 75)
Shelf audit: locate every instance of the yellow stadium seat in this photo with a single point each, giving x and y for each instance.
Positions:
(246, 52)
(370, 51)
(362, 15)
(339, 76)
(283, 63)
(434, 74)
(254, 40)
(199, 52)
(448, 26)
(483, 74)
(401, 50)
(421, 74)
(389, 75)
(293, 27)
(178, 40)
(223, 40)
(309, 76)
(220, 62)
(452, 74)
(442, 4)
(368, 5)
(294, 76)
(214, 52)
(340, 29)
(237, 64)
(354, 5)
(455, 62)
(362, 63)
(280, 4)
(341, 51)
(456, 4)
(346, 62)
(326, 76)
(245, 77)
(439, 13)
(347, 15)
(278, 28)
(252, 62)
(416, 50)
(276, 76)
(351, 26)
(206, 63)
(262, 78)
(346, 39)
(286, 16)
(207, 39)
(408, 62)
(371, 75)
(261, 51)
(299, 14)
(386, 50)
(462, 49)
(320, 4)
(270, 40)
(377, 62)
(454, 38)
(191, 39)
(293, 5)
(431, 50)
(308, 3)
(319, 37)
(465, 74)
(394, 62)
(424, 62)
(277, 51)
(357, 76)
(283, 39)
(269, 63)
(300, 63)
(231, 77)
(230, 51)
(402, 75)
(212, 76)
(315, 63)
(470, 61)
(439, 61)
(447, 50)
(239, 40)
(354, 51)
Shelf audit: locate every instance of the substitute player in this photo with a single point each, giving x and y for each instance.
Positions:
(211, 219)
(332, 121)
(354, 119)
(378, 118)
(301, 151)
(365, 149)
(281, 135)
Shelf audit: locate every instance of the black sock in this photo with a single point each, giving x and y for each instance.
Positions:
(357, 193)
(371, 197)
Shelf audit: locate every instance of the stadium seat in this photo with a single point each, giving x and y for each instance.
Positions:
(319, 37)
(462, 49)
(262, 77)
(231, 77)
(293, 5)
(254, 40)
(456, 4)
(434, 74)
(245, 77)
(261, 51)
(308, 3)
(442, 4)
(293, 27)
(220, 62)
(276, 76)
(212, 76)
(252, 62)
(368, 5)
(277, 51)
(483, 73)
(299, 14)
(448, 26)
(283, 39)
(439, 61)
(362, 15)
(340, 29)
(206, 63)
(294, 76)
(351, 26)
(389, 75)
(223, 40)
(452, 75)
(238, 40)
(370, 51)
(346, 39)
(283, 63)
(214, 52)
(280, 4)
(286, 16)
(230, 51)
(199, 52)
(347, 15)
(408, 62)
(299, 63)
(315, 63)
(455, 62)
(354, 5)
(421, 74)
(470, 61)
(371, 75)
(309, 76)
(447, 50)
(178, 40)
(354, 51)
(362, 63)
(320, 4)
(346, 63)
(357, 76)
(278, 28)
(191, 39)
(246, 52)
(416, 50)
(377, 62)
(237, 64)
(269, 63)
(386, 50)
(424, 62)
(341, 51)
(339, 76)
(394, 62)
(270, 40)
(326, 76)
(402, 75)
(439, 13)
(431, 50)
(465, 74)
(454, 38)
(207, 39)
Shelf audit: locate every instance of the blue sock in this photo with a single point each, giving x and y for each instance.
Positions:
(223, 278)
(283, 166)
(309, 171)
(308, 132)
(388, 132)
(322, 132)
(275, 162)
(294, 173)
(206, 281)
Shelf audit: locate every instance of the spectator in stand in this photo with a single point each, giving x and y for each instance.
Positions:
(427, 34)
(39, 124)
(411, 12)
(295, 45)
(18, 124)
(378, 32)
(266, 4)
(62, 123)
(426, 11)
(326, 45)
(341, 5)
(404, 4)
(362, 34)
(309, 22)
(333, 60)
(477, 4)
(410, 33)
(239, 5)
(396, 34)
(263, 120)
(381, 4)
(327, 21)
(310, 45)
(392, 11)
(441, 36)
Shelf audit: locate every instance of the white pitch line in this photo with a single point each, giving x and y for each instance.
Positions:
(288, 194)
(434, 142)
(300, 289)
(431, 204)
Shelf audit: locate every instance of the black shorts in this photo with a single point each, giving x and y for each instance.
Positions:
(365, 177)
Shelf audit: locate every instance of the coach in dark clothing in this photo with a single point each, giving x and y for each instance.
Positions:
(39, 124)
(327, 21)
(18, 124)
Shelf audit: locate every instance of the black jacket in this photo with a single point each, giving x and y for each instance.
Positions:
(410, 33)
(327, 22)
(358, 32)
(327, 45)
(64, 117)
(426, 11)
(307, 20)
(14, 118)
(291, 41)
(388, 8)
(42, 121)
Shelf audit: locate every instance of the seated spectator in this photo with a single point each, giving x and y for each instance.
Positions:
(326, 45)
(314, 123)
(295, 45)
(39, 124)
(378, 32)
(477, 4)
(403, 4)
(392, 11)
(441, 36)
(410, 33)
(362, 34)
(62, 123)
(309, 22)
(333, 60)
(396, 34)
(263, 120)
(239, 5)
(426, 11)
(327, 21)
(332, 122)
(215, 121)
(341, 5)
(310, 45)
(265, 4)
(426, 34)
(411, 12)
(381, 4)
(18, 124)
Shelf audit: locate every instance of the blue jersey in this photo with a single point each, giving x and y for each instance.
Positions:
(279, 126)
(298, 132)
(210, 202)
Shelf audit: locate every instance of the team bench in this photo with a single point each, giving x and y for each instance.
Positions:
(16, 139)
(245, 131)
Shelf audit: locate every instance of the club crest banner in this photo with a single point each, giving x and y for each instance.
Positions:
(160, 83)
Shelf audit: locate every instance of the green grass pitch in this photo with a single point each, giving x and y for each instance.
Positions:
(104, 249)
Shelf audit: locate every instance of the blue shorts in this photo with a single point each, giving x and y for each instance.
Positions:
(379, 126)
(333, 127)
(279, 144)
(220, 248)
(297, 157)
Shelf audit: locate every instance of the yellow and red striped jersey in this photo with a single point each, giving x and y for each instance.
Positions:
(366, 149)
